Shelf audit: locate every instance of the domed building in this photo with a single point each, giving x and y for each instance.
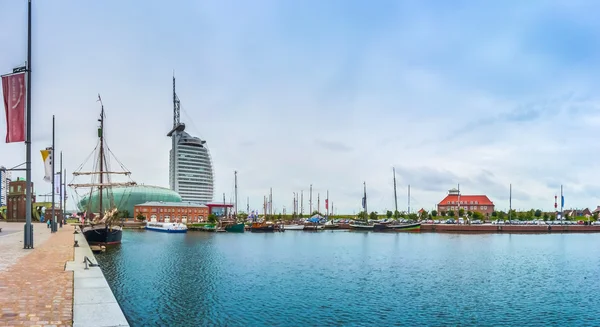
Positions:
(125, 198)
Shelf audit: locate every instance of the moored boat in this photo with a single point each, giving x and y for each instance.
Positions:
(234, 228)
(330, 225)
(361, 227)
(167, 227)
(293, 227)
(313, 227)
(262, 227)
(103, 228)
(405, 227)
(382, 227)
(102, 234)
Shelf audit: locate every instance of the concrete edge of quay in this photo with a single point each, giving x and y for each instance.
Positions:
(94, 304)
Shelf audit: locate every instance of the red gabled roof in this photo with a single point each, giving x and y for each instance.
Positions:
(466, 200)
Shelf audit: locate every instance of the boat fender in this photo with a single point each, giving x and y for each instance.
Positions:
(549, 227)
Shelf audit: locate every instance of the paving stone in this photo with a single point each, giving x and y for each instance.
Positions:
(35, 289)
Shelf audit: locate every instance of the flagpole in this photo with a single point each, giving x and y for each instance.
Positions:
(28, 237)
(52, 160)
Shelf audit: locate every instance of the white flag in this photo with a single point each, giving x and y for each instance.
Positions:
(57, 184)
(47, 157)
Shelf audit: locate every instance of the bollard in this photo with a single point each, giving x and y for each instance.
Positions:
(76, 245)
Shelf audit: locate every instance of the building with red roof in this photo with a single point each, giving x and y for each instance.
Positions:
(474, 203)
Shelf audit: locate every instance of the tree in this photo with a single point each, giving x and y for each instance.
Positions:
(412, 216)
(495, 214)
(396, 214)
(279, 216)
(477, 215)
(300, 216)
(362, 215)
(423, 214)
(443, 213)
(461, 212)
(469, 213)
(434, 213)
(546, 216)
(389, 214)
(538, 213)
(373, 215)
(212, 218)
(124, 214)
(140, 217)
(451, 213)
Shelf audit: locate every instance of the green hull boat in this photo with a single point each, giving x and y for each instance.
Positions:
(236, 228)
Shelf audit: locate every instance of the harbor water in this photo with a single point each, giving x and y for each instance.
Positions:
(355, 279)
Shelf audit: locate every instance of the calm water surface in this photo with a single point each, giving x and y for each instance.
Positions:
(356, 279)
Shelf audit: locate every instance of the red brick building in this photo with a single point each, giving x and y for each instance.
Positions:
(185, 212)
(15, 209)
(454, 201)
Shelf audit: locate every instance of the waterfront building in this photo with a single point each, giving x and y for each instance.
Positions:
(190, 164)
(220, 209)
(454, 201)
(184, 212)
(5, 178)
(126, 197)
(15, 210)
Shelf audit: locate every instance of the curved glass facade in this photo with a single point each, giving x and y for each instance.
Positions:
(191, 171)
(127, 197)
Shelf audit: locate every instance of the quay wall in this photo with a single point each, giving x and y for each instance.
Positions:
(456, 228)
(94, 304)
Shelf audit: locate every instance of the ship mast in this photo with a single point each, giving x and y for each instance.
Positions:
(101, 135)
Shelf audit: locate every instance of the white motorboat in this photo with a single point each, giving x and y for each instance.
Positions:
(167, 227)
(293, 227)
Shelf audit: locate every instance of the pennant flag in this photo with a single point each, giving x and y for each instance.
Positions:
(364, 199)
(562, 201)
(47, 158)
(14, 90)
(326, 204)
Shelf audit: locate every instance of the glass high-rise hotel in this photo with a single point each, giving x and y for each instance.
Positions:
(190, 165)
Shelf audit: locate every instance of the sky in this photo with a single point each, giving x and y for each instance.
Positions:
(329, 93)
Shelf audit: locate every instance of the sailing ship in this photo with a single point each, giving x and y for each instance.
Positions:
(102, 228)
(389, 226)
(234, 226)
(362, 225)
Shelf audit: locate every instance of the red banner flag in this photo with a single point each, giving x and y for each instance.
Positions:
(13, 88)
(326, 203)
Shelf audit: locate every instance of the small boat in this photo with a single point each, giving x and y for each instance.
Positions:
(313, 227)
(235, 228)
(167, 227)
(264, 227)
(293, 227)
(330, 225)
(405, 227)
(361, 227)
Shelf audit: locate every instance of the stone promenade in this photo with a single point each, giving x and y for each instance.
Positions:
(35, 289)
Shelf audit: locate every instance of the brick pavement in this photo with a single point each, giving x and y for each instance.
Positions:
(36, 290)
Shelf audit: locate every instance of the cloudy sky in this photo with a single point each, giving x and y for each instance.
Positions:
(329, 93)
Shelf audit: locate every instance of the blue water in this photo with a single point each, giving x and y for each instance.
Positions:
(356, 279)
